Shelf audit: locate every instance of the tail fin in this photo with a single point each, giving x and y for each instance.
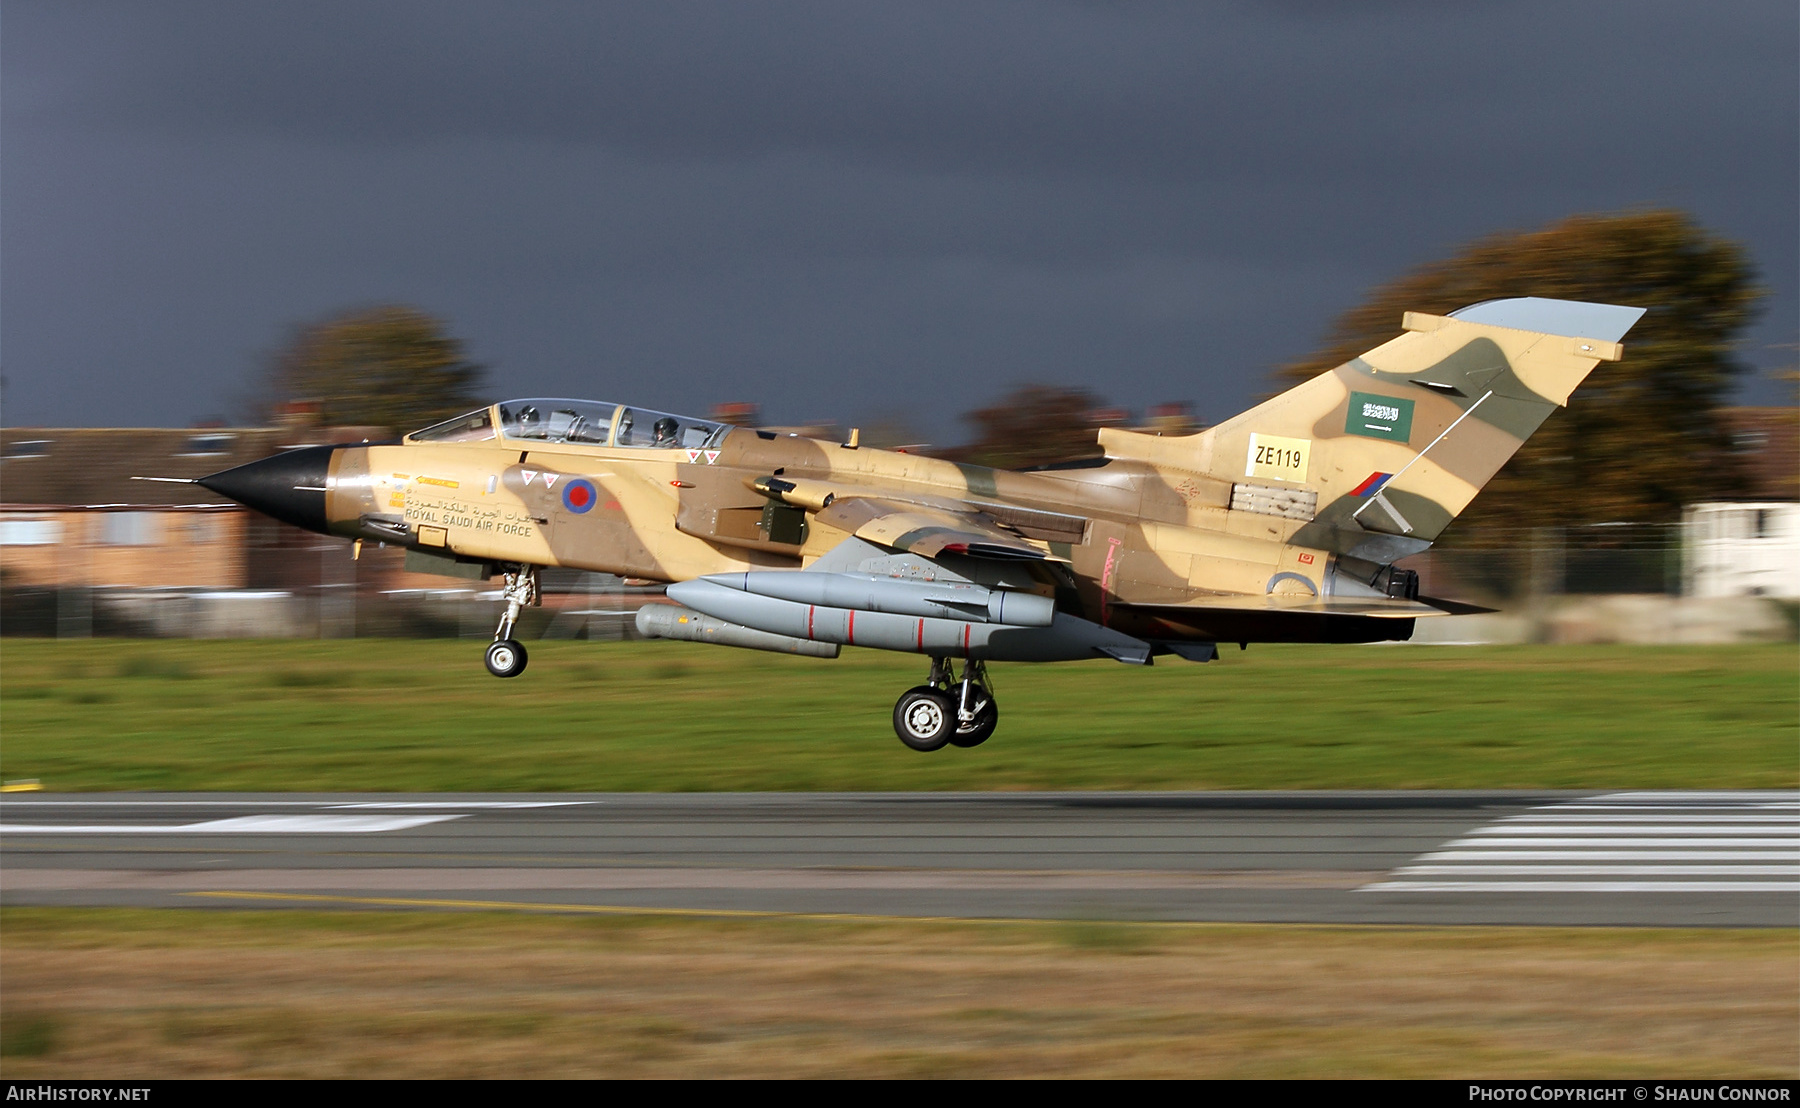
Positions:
(1393, 445)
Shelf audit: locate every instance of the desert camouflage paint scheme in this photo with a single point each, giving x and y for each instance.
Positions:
(1279, 525)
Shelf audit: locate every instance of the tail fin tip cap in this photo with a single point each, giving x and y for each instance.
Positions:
(1574, 319)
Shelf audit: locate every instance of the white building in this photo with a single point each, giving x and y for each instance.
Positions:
(1742, 549)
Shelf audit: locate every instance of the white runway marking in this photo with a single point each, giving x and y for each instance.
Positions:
(1764, 842)
(1765, 826)
(1715, 870)
(45, 802)
(483, 804)
(1628, 820)
(1607, 855)
(1587, 886)
(274, 825)
(15, 802)
(1641, 842)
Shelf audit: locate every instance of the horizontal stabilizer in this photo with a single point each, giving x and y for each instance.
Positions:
(1455, 607)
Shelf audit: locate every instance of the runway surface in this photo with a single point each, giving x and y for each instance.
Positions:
(1638, 858)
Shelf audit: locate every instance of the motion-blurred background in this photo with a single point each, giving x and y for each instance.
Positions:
(976, 230)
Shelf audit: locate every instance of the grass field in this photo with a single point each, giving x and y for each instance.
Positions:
(422, 715)
(144, 993)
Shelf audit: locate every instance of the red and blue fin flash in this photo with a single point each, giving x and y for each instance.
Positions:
(1371, 484)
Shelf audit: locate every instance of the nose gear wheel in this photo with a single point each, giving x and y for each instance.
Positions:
(506, 658)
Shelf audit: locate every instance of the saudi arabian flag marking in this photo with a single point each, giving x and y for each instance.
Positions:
(1379, 417)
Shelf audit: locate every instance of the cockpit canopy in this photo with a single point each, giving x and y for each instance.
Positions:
(476, 426)
(583, 422)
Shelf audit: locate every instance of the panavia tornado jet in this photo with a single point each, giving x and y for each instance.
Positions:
(1282, 524)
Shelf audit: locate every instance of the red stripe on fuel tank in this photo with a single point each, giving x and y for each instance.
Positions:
(850, 631)
(966, 629)
(809, 612)
(921, 636)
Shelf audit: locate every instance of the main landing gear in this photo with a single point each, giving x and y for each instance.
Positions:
(947, 710)
(506, 656)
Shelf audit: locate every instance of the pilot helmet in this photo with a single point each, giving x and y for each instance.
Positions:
(665, 429)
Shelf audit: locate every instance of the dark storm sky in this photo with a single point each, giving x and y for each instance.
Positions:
(840, 210)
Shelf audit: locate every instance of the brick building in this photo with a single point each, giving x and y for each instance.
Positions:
(71, 515)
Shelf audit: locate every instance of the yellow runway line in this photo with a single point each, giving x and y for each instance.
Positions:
(325, 899)
(599, 909)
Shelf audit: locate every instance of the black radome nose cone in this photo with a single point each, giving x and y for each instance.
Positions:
(289, 487)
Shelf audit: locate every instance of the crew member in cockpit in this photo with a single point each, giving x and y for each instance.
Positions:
(666, 429)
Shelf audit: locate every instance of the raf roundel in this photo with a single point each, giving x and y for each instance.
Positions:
(579, 495)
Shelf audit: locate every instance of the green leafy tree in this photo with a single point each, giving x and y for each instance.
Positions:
(1033, 425)
(388, 366)
(1642, 436)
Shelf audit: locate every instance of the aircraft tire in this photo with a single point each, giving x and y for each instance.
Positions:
(925, 718)
(987, 717)
(506, 658)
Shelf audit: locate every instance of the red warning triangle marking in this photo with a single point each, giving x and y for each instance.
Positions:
(712, 456)
(550, 479)
(693, 455)
(529, 474)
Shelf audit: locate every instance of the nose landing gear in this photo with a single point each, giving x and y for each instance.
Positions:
(506, 656)
(947, 710)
